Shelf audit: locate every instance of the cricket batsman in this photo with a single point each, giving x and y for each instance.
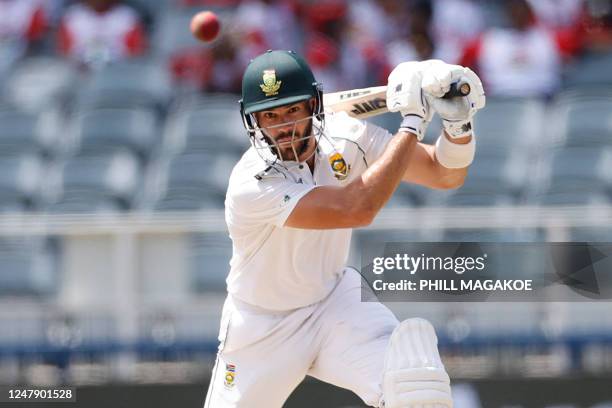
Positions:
(293, 307)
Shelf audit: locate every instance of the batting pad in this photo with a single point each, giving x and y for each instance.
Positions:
(414, 375)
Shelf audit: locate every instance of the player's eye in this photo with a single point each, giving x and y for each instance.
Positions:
(269, 115)
(294, 109)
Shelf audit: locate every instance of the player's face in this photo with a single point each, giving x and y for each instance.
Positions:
(288, 128)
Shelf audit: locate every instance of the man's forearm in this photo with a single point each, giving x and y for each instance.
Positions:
(377, 184)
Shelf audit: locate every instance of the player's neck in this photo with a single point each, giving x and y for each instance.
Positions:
(311, 163)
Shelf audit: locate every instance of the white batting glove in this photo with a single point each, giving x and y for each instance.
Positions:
(404, 95)
(457, 112)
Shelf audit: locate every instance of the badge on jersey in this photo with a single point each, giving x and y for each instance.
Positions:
(339, 167)
(270, 85)
(230, 375)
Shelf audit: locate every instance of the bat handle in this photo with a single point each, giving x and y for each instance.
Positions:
(460, 88)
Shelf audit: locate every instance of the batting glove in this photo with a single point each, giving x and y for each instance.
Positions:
(405, 95)
(457, 112)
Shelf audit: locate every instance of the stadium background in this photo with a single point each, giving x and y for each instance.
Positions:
(117, 138)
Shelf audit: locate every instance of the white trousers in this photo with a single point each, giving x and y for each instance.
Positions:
(264, 355)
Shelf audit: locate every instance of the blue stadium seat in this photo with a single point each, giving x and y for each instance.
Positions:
(20, 179)
(389, 121)
(210, 256)
(18, 132)
(206, 172)
(591, 234)
(460, 199)
(589, 198)
(498, 173)
(588, 122)
(41, 81)
(108, 129)
(489, 235)
(218, 125)
(579, 169)
(590, 70)
(412, 193)
(77, 202)
(172, 33)
(507, 124)
(132, 83)
(98, 182)
(29, 266)
(186, 199)
(206, 128)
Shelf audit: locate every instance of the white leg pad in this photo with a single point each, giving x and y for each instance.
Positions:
(414, 375)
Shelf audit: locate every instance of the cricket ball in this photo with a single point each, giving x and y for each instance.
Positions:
(205, 26)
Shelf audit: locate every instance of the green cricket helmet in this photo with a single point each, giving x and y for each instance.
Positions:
(277, 78)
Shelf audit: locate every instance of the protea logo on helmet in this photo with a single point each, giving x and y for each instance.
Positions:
(339, 166)
(270, 85)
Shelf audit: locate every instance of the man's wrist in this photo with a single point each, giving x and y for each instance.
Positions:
(414, 124)
(454, 155)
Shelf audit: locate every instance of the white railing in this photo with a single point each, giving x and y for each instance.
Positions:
(408, 218)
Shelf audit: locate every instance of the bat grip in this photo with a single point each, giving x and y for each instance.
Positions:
(460, 88)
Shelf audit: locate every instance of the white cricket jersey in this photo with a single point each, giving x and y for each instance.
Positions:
(282, 268)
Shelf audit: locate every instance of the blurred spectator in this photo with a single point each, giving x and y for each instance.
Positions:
(598, 26)
(95, 32)
(522, 60)
(267, 23)
(558, 13)
(416, 44)
(22, 25)
(335, 49)
(210, 69)
(455, 24)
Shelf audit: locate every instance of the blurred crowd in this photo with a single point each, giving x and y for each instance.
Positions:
(519, 47)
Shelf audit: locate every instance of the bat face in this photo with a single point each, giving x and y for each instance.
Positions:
(367, 102)
(359, 103)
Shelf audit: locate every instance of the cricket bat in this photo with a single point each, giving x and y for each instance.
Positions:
(367, 102)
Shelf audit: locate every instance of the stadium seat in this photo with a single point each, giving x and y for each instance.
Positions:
(206, 128)
(29, 265)
(579, 169)
(507, 124)
(221, 125)
(38, 82)
(172, 33)
(498, 173)
(210, 256)
(201, 171)
(190, 181)
(132, 83)
(389, 121)
(108, 129)
(185, 199)
(591, 234)
(587, 122)
(590, 70)
(18, 132)
(99, 182)
(552, 198)
(77, 202)
(20, 181)
(489, 235)
(460, 199)
(411, 193)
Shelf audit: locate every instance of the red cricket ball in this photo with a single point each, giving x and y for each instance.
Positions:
(205, 26)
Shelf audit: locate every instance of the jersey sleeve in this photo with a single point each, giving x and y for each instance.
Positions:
(267, 201)
(374, 141)
(371, 139)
